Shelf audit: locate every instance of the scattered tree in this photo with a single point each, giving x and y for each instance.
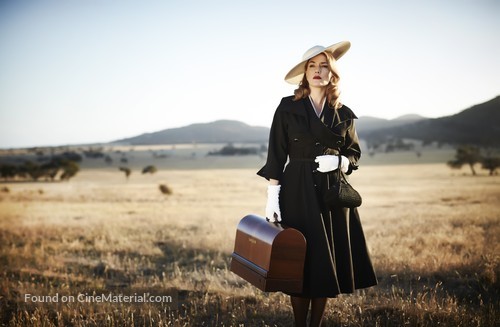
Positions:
(70, 169)
(50, 170)
(126, 170)
(94, 153)
(47, 170)
(231, 150)
(426, 143)
(69, 155)
(398, 145)
(33, 170)
(159, 155)
(8, 171)
(466, 154)
(491, 164)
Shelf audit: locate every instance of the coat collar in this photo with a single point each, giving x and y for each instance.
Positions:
(322, 133)
(299, 107)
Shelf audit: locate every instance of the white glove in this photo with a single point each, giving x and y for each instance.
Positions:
(273, 203)
(328, 163)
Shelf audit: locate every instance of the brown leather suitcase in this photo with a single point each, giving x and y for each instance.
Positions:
(269, 256)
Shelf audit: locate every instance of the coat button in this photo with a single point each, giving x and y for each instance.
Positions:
(339, 142)
(318, 144)
(295, 140)
(315, 171)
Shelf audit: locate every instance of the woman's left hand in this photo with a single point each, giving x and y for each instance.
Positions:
(328, 163)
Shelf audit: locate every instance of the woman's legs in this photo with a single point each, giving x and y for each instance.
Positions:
(317, 311)
(300, 307)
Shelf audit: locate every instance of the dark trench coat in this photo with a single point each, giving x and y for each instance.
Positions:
(337, 258)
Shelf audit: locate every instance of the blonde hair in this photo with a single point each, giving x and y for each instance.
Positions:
(332, 89)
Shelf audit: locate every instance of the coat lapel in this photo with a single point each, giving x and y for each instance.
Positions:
(321, 132)
(343, 114)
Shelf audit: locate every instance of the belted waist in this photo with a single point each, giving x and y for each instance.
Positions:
(303, 159)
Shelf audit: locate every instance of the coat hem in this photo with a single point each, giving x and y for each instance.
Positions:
(329, 295)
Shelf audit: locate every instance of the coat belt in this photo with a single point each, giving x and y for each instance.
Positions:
(303, 159)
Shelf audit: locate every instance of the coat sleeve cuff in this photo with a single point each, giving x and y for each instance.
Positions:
(264, 172)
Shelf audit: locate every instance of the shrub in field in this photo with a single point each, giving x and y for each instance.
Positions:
(149, 169)
(165, 189)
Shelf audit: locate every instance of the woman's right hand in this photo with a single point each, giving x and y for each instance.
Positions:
(273, 212)
(327, 163)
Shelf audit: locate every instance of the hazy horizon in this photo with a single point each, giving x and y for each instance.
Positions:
(402, 117)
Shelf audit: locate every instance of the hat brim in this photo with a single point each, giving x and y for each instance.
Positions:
(296, 74)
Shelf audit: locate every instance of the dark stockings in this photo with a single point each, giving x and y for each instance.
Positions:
(317, 311)
(300, 307)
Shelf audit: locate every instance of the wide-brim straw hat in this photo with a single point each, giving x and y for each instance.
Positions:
(296, 74)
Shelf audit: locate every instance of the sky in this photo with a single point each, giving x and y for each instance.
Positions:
(91, 71)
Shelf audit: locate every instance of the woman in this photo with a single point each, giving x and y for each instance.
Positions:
(309, 132)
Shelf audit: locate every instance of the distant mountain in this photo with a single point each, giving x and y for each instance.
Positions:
(476, 125)
(410, 117)
(367, 124)
(220, 131)
(479, 125)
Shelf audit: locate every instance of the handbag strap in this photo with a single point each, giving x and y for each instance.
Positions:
(340, 174)
(338, 168)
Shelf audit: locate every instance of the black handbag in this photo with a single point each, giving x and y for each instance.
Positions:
(341, 193)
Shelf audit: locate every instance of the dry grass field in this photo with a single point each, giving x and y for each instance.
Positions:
(433, 234)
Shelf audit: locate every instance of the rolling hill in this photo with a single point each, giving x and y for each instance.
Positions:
(224, 131)
(367, 124)
(220, 131)
(478, 125)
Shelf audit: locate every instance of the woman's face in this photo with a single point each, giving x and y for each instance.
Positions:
(318, 72)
